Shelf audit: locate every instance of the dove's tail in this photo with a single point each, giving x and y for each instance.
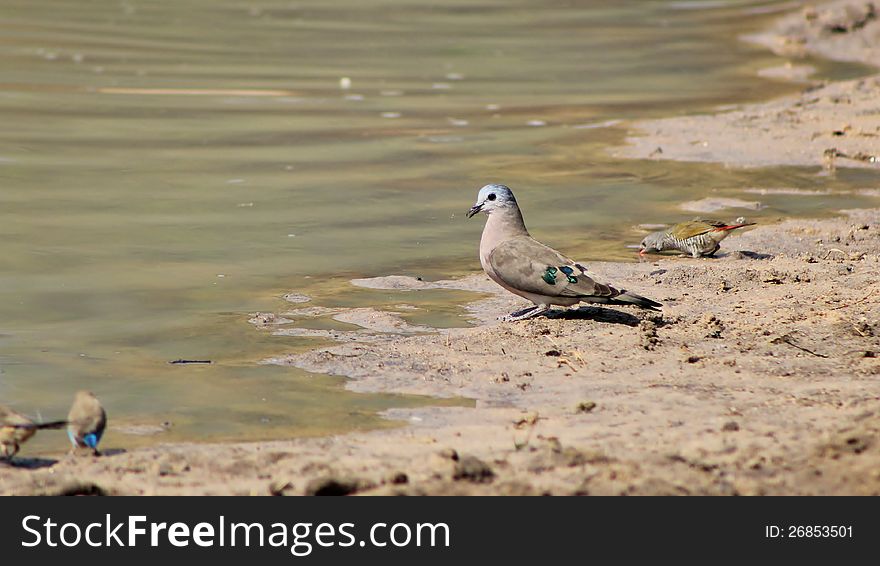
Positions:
(627, 298)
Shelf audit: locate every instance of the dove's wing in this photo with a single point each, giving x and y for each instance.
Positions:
(528, 265)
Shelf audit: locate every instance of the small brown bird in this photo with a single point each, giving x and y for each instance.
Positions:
(16, 429)
(697, 237)
(86, 421)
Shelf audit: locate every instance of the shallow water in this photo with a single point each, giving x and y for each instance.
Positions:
(169, 167)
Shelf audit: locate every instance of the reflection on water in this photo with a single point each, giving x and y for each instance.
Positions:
(169, 167)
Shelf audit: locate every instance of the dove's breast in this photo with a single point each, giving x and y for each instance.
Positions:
(487, 266)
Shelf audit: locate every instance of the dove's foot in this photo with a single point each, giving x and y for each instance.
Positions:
(524, 314)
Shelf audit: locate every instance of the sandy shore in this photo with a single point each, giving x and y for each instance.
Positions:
(826, 125)
(759, 377)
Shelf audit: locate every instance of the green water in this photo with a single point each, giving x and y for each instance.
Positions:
(168, 167)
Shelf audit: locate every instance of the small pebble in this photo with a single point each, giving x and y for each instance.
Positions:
(585, 407)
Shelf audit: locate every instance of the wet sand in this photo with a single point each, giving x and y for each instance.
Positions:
(759, 376)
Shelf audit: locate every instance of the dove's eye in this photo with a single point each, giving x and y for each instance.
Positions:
(491, 196)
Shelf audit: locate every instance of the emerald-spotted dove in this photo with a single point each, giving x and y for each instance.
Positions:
(86, 421)
(528, 268)
(16, 429)
(697, 237)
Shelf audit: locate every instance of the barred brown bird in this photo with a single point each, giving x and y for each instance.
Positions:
(698, 237)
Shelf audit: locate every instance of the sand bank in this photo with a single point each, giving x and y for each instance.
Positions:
(759, 377)
(828, 125)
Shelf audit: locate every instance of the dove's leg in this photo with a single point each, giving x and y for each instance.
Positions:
(517, 314)
(524, 314)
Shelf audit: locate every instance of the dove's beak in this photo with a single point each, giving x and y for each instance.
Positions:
(475, 209)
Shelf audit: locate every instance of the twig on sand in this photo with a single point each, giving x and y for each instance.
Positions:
(854, 303)
(787, 339)
(834, 250)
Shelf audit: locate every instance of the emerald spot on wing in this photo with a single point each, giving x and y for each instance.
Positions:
(549, 274)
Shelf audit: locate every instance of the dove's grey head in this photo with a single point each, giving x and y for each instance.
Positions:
(491, 198)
